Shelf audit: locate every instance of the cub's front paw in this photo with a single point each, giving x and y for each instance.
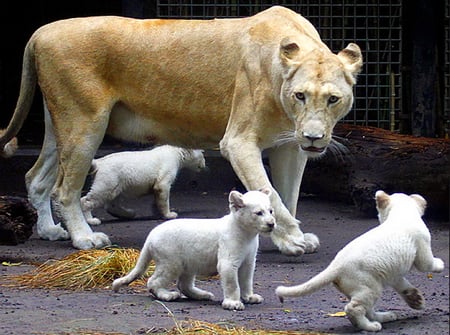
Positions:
(253, 299)
(233, 304)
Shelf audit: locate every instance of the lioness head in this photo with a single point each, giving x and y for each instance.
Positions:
(317, 91)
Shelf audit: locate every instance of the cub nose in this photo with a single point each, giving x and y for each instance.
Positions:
(271, 225)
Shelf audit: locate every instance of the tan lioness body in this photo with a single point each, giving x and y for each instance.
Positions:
(248, 84)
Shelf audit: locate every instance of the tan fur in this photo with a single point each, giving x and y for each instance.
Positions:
(189, 83)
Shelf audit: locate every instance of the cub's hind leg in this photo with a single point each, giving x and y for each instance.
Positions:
(360, 308)
(186, 284)
(160, 281)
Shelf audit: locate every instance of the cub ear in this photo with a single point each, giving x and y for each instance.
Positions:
(421, 202)
(266, 190)
(352, 59)
(382, 199)
(289, 49)
(236, 200)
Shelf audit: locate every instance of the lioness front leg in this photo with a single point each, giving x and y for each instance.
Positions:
(246, 160)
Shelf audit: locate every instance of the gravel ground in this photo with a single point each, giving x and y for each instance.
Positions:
(133, 311)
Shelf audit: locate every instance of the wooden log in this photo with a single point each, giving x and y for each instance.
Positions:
(376, 159)
(17, 218)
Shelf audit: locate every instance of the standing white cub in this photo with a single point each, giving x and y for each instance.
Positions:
(131, 174)
(380, 257)
(185, 248)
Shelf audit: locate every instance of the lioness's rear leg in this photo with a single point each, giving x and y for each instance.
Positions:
(40, 180)
(76, 150)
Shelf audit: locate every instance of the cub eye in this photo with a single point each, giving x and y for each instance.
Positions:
(300, 96)
(260, 213)
(333, 99)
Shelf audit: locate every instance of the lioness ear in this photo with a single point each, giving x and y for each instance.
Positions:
(266, 190)
(421, 202)
(236, 200)
(382, 199)
(352, 59)
(288, 49)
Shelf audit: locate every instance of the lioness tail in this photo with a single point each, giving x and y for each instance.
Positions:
(27, 88)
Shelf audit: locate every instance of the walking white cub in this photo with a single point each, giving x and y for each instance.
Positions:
(131, 174)
(380, 257)
(185, 248)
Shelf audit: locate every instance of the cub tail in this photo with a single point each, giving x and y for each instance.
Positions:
(314, 284)
(140, 268)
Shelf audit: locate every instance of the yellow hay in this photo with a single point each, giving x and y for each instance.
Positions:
(85, 269)
(195, 327)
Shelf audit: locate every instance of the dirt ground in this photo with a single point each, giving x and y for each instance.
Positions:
(133, 311)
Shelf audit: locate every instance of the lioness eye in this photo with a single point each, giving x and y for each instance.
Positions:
(260, 213)
(300, 96)
(333, 99)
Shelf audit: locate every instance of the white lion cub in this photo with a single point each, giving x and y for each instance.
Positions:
(185, 248)
(131, 174)
(381, 256)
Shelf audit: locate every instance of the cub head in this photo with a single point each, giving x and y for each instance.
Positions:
(195, 160)
(317, 91)
(253, 210)
(385, 203)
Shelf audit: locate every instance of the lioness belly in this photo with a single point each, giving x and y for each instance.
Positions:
(128, 125)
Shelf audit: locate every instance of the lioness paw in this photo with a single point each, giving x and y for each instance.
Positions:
(253, 299)
(312, 243)
(233, 305)
(171, 215)
(91, 241)
(52, 232)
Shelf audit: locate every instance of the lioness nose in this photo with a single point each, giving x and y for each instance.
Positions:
(313, 137)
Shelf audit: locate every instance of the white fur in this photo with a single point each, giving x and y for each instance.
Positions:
(131, 174)
(380, 257)
(185, 248)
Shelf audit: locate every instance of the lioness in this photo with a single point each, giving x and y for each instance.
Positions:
(185, 248)
(380, 257)
(250, 84)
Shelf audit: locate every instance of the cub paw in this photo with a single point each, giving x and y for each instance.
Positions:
(233, 305)
(438, 265)
(253, 299)
(414, 298)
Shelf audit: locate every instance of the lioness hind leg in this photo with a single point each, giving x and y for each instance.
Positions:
(76, 150)
(40, 180)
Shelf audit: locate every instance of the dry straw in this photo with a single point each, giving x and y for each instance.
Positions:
(85, 269)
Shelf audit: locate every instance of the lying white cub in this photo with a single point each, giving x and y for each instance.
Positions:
(131, 174)
(185, 248)
(380, 257)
